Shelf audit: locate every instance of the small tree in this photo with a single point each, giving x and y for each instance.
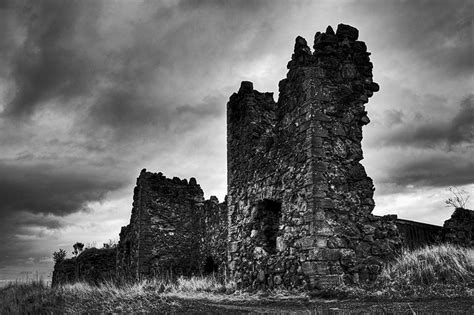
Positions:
(458, 199)
(78, 247)
(110, 244)
(59, 255)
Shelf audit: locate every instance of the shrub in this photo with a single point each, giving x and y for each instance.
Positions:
(78, 247)
(59, 255)
(458, 199)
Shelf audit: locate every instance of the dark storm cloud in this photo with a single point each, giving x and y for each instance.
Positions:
(20, 232)
(459, 130)
(48, 222)
(130, 117)
(142, 90)
(126, 81)
(130, 84)
(433, 171)
(48, 189)
(438, 33)
(53, 61)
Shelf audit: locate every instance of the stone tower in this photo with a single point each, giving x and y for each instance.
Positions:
(299, 201)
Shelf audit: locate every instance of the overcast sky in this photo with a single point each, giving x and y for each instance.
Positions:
(91, 92)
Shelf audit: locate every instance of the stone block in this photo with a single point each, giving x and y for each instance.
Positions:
(320, 167)
(337, 242)
(318, 116)
(321, 242)
(317, 142)
(329, 281)
(311, 268)
(259, 252)
(281, 244)
(319, 215)
(233, 247)
(277, 280)
(368, 229)
(325, 203)
(305, 243)
(326, 254)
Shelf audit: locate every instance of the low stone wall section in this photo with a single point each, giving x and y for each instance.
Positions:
(92, 265)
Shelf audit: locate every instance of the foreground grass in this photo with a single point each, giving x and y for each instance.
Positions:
(144, 296)
(432, 272)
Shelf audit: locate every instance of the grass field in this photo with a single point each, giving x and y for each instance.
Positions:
(438, 272)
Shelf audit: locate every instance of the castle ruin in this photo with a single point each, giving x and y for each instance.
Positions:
(298, 211)
(299, 201)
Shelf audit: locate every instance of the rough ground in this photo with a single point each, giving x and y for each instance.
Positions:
(459, 305)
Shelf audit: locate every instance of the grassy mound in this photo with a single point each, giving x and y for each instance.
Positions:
(433, 271)
(442, 270)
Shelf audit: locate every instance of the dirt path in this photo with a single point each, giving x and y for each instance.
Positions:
(459, 305)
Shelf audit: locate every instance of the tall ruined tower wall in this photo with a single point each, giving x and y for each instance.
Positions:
(299, 200)
(172, 230)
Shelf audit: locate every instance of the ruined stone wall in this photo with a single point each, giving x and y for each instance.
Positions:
(64, 272)
(416, 234)
(172, 230)
(92, 265)
(299, 201)
(459, 229)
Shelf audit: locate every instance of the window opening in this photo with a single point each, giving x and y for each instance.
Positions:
(268, 223)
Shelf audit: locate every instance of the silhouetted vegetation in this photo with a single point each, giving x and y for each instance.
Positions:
(59, 255)
(78, 247)
(110, 244)
(458, 199)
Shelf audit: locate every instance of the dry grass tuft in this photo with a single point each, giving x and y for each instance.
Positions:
(441, 270)
(433, 271)
(29, 298)
(446, 264)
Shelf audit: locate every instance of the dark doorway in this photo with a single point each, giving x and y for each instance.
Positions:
(268, 223)
(210, 266)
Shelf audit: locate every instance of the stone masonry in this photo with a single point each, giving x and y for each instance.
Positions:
(459, 229)
(92, 265)
(172, 230)
(299, 201)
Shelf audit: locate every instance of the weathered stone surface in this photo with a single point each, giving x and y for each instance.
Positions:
(417, 234)
(348, 31)
(305, 189)
(92, 265)
(64, 272)
(172, 230)
(459, 229)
